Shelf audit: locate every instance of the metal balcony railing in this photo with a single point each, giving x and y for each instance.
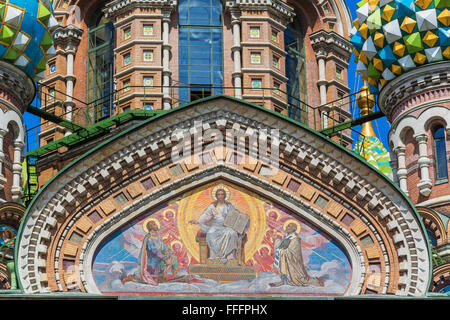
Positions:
(87, 120)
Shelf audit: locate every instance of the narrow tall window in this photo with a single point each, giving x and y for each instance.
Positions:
(100, 66)
(294, 36)
(200, 48)
(440, 153)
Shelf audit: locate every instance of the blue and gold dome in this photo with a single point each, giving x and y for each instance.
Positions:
(391, 37)
(25, 38)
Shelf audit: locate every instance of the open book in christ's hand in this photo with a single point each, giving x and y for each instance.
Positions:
(236, 220)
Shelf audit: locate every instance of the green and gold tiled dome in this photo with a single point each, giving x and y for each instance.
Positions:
(391, 37)
(25, 37)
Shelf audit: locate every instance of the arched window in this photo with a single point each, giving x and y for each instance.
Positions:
(100, 66)
(200, 48)
(294, 38)
(440, 153)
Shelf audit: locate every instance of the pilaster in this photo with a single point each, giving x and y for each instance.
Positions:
(143, 53)
(258, 51)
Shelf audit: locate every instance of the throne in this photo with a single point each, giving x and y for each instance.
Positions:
(234, 271)
(204, 250)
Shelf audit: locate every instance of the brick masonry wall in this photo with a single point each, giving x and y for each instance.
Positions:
(440, 188)
(8, 150)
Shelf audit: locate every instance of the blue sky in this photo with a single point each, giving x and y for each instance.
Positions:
(381, 126)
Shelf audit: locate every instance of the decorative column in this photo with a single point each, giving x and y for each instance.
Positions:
(236, 49)
(425, 183)
(70, 78)
(401, 169)
(322, 83)
(332, 51)
(16, 189)
(166, 57)
(321, 55)
(2, 159)
(67, 39)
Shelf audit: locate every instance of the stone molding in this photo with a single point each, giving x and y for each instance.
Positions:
(67, 37)
(324, 42)
(418, 124)
(435, 201)
(416, 87)
(12, 116)
(383, 199)
(23, 86)
(11, 213)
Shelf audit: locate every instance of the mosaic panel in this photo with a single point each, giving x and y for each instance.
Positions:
(216, 239)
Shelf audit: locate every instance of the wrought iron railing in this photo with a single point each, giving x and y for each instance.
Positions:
(87, 119)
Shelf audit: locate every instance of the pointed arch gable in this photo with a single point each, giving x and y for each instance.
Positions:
(378, 209)
(221, 174)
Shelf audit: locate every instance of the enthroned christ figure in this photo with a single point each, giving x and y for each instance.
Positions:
(224, 227)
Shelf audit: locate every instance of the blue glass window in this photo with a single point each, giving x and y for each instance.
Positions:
(100, 66)
(294, 36)
(200, 13)
(200, 48)
(440, 153)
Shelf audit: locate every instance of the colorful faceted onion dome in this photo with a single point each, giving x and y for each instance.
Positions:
(369, 146)
(25, 37)
(391, 37)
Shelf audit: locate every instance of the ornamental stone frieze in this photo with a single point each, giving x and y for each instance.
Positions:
(385, 226)
(421, 86)
(67, 38)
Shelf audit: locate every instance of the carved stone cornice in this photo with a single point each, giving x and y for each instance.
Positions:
(324, 42)
(118, 7)
(400, 94)
(67, 38)
(11, 213)
(16, 86)
(278, 8)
